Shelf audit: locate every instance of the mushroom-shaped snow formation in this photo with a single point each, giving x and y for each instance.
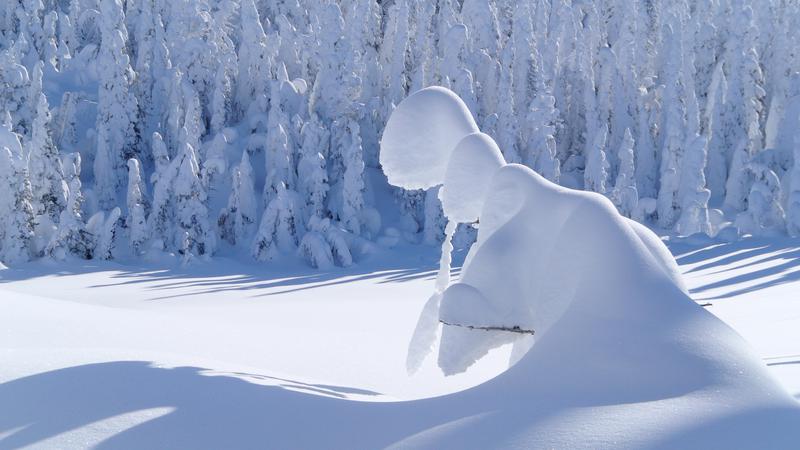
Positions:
(601, 296)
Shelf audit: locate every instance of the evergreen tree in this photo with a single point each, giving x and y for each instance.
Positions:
(694, 194)
(105, 230)
(237, 220)
(279, 226)
(16, 210)
(625, 195)
(159, 222)
(215, 165)
(71, 236)
(255, 63)
(44, 165)
(674, 127)
(596, 173)
(137, 208)
(312, 174)
(764, 214)
(744, 107)
(353, 176)
(194, 235)
(117, 134)
(506, 119)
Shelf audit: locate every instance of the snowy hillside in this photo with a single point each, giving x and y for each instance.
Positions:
(252, 127)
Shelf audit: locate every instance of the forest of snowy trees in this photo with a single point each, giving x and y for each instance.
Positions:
(199, 126)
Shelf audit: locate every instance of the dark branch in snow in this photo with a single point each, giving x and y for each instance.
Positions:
(514, 329)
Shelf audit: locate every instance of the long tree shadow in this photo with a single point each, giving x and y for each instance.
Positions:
(719, 259)
(209, 411)
(224, 275)
(216, 412)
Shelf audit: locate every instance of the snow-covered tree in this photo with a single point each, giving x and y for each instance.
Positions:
(325, 244)
(694, 194)
(280, 225)
(159, 222)
(255, 62)
(44, 165)
(193, 235)
(397, 84)
(315, 249)
(278, 157)
(105, 229)
(625, 194)
(71, 237)
(237, 220)
(506, 132)
(673, 131)
(453, 66)
(764, 214)
(525, 65)
(215, 165)
(480, 17)
(136, 219)
(744, 102)
(596, 173)
(353, 177)
(16, 210)
(312, 174)
(717, 167)
(117, 133)
(308, 87)
(541, 123)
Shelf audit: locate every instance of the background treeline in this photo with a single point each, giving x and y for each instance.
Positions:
(131, 128)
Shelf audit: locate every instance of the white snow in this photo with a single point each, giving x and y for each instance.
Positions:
(258, 138)
(415, 150)
(609, 349)
(227, 355)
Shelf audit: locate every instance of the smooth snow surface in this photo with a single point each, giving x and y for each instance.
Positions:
(232, 356)
(420, 136)
(473, 162)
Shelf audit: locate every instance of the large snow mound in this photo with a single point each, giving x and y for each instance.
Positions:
(612, 321)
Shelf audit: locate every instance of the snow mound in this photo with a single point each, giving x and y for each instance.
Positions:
(540, 247)
(469, 172)
(415, 150)
(596, 308)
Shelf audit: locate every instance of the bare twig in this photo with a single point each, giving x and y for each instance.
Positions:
(514, 329)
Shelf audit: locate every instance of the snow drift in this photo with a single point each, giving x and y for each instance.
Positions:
(613, 323)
